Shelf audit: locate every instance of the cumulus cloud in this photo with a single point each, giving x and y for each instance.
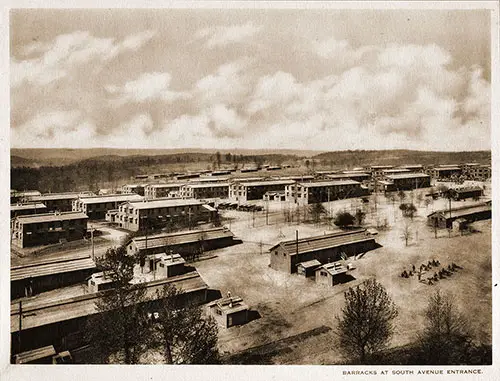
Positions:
(67, 53)
(374, 97)
(223, 35)
(56, 129)
(147, 87)
(231, 83)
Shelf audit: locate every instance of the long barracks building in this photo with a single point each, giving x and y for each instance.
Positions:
(61, 202)
(287, 255)
(48, 228)
(324, 191)
(255, 190)
(97, 207)
(138, 215)
(205, 190)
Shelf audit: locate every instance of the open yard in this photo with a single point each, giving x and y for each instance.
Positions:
(296, 313)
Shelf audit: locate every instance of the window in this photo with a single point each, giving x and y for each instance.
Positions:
(275, 253)
(323, 273)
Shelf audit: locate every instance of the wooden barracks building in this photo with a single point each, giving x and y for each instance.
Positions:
(323, 191)
(96, 207)
(288, 255)
(43, 229)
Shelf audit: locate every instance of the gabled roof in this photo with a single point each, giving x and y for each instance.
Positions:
(163, 203)
(462, 211)
(323, 242)
(34, 205)
(35, 354)
(60, 196)
(50, 268)
(266, 183)
(310, 264)
(123, 197)
(49, 217)
(329, 183)
(161, 240)
(407, 176)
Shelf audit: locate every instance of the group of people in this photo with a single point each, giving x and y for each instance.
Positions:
(442, 273)
(423, 267)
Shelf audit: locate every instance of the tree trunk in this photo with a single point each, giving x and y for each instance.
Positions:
(168, 352)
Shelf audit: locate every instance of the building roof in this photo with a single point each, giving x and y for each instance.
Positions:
(35, 354)
(347, 175)
(447, 168)
(49, 217)
(134, 185)
(28, 193)
(59, 196)
(462, 211)
(268, 182)
(467, 189)
(322, 242)
(310, 264)
(123, 197)
(166, 185)
(396, 170)
(412, 166)
(334, 268)
(50, 268)
(164, 203)
(329, 183)
(161, 240)
(34, 205)
(407, 176)
(296, 178)
(230, 305)
(207, 185)
(50, 310)
(381, 166)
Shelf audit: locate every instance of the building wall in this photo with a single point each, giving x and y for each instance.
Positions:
(237, 318)
(134, 219)
(44, 233)
(48, 282)
(412, 183)
(24, 212)
(282, 261)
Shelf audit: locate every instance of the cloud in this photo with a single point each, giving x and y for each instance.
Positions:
(56, 129)
(147, 87)
(219, 36)
(369, 97)
(230, 84)
(67, 53)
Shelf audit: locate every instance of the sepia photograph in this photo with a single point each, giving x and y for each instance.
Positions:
(252, 185)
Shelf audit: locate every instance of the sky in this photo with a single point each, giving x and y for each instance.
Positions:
(256, 78)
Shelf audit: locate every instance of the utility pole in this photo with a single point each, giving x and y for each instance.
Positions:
(92, 241)
(20, 324)
(267, 212)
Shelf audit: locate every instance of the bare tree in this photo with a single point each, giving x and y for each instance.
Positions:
(406, 232)
(365, 326)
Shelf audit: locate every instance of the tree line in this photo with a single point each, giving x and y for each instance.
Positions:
(96, 173)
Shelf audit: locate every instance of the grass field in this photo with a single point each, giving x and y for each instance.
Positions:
(291, 306)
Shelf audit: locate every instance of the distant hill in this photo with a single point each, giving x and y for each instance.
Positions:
(60, 157)
(64, 156)
(400, 157)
